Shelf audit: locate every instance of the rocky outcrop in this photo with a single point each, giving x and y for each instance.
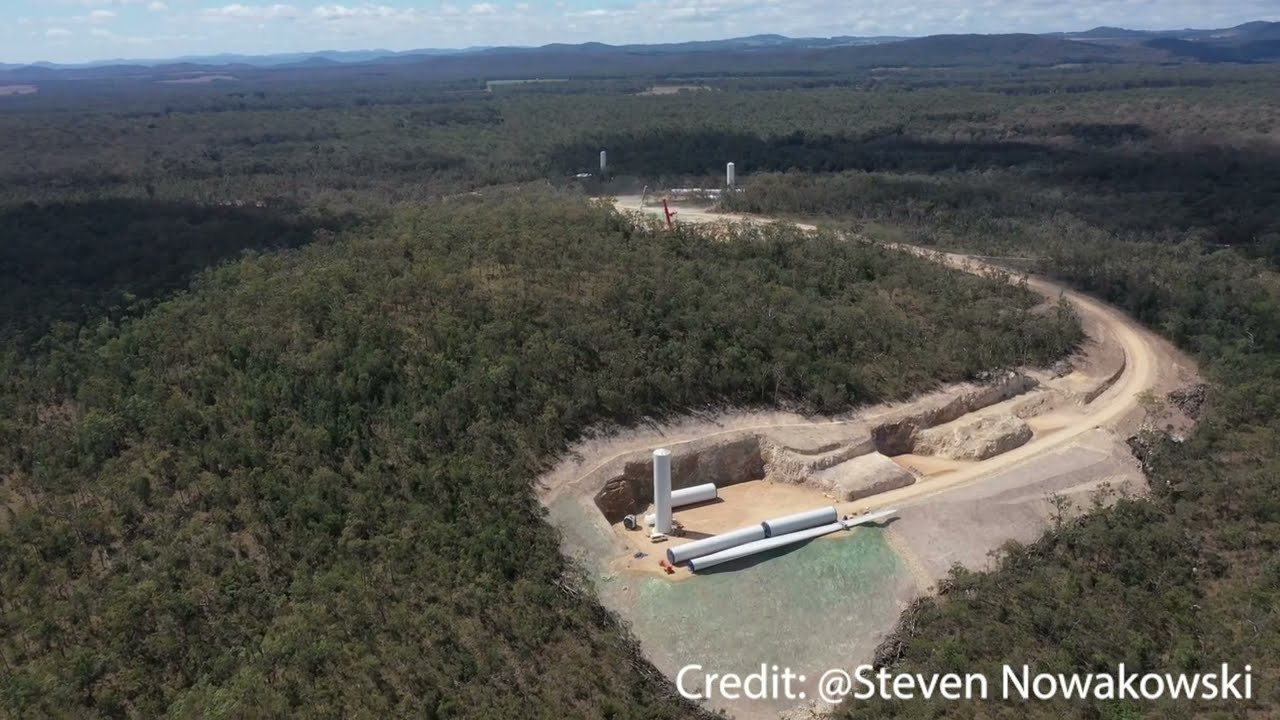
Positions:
(723, 464)
(618, 498)
(976, 439)
(1191, 399)
(899, 437)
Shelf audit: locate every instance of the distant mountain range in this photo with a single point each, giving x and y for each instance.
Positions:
(368, 56)
(1247, 32)
(278, 60)
(1250, 42)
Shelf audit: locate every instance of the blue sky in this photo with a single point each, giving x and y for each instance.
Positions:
(81, 30)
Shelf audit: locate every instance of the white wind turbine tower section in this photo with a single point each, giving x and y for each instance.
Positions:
(662, 491)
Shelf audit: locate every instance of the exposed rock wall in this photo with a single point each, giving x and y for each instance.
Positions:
(846, 459)
(899, 437)
(724, 464)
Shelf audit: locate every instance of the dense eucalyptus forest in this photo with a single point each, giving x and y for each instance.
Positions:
(282, 361)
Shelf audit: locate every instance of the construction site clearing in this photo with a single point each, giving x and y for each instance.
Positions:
(965, 469)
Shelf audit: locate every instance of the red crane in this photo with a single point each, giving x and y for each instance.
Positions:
(671, 215)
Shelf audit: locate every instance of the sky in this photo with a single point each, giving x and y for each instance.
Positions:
(85, 30)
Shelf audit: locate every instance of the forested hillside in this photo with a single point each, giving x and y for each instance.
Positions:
(305, 484)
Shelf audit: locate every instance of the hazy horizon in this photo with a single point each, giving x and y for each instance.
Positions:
(79, 31)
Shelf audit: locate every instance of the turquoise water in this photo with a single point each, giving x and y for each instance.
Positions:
(820, 605)
(811, 607)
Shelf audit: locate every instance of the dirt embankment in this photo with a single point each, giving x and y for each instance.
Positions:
(845, 459)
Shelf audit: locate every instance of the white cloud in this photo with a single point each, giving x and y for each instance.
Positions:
(157, 6)
(370, 20)
(101, 15)
(343, 12)
(252, 12)
(57, 33)
(483, 9)
(603, 13)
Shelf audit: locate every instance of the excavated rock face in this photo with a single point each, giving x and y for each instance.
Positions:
(978, 440)
(900, 437)
(727, 464)
(1190, 400)
(618, 498)
(852, 467)
(896, 438)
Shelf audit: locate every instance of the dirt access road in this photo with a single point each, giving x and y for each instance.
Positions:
(1150, 365)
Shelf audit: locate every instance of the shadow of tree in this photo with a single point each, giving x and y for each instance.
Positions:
(74, 262)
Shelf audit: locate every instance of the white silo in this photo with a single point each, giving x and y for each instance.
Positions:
(604, 163)
(730, 176)
(662, 491)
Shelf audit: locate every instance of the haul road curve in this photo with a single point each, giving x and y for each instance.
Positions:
(1151, 365)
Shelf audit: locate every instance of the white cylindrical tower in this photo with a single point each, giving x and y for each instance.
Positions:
(730, 177)
(604, 163)
(662, 491)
